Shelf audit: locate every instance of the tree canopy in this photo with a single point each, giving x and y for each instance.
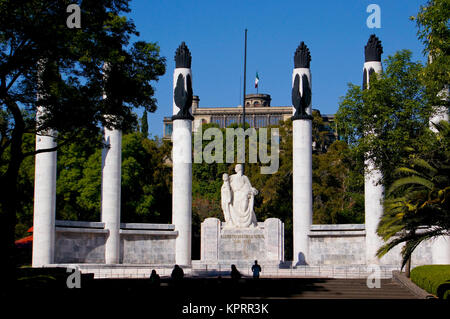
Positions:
(76, 75)
(395, 110)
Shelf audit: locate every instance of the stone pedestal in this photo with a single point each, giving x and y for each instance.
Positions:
(221, 244)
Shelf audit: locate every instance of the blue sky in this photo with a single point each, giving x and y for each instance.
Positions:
(334, 30)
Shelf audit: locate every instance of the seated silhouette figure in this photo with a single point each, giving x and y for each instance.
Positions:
(177, 273)
(235, 274)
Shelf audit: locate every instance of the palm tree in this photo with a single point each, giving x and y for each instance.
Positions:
(417, 203)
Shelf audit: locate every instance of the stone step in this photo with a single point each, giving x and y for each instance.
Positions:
(339, 289)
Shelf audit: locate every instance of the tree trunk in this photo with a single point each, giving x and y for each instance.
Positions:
(408, 268)
(9, 199)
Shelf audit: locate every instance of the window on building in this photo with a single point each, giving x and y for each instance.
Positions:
(260, 121)
(274, 119)
(219, 120)
(231, 120)
(168, 128)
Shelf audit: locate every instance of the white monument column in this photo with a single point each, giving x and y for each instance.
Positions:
(44, 199)
(302, 154)
(111, 190)
(182, 155)
(373, 192)
(440, 249)
(44, 191)
(111, 187)
(440, 113)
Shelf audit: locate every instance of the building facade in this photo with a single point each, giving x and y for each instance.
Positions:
(258, 113)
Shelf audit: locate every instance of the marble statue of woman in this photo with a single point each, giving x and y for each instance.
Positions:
(226, 197)
(240, 209)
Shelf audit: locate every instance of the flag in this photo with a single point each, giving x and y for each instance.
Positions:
(256, 80)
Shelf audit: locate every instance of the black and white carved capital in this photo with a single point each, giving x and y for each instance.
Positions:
(373, 49)
(183, 98)
(302, 56)
(301, 101)
(183, 57)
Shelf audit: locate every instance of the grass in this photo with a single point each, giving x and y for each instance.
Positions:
(433, 278)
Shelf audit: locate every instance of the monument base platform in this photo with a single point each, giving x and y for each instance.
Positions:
(220, 244)
(201, 269)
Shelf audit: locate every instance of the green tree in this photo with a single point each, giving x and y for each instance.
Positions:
(338, 188)
(418, 195)
(417, 205)
(144, 124)
(434, 32)
(35, 40)
(146, 180)
(395, 110)
(78, 182)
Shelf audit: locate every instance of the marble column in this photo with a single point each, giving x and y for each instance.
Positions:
(111, 192)
(182, 155)
(440, 249)
(302, 154)
(44, 190)
(373, 191)
(44, 199)
(440, 113)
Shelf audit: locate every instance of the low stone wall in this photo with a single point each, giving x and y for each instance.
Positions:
(221, 244)
(84, 242)
(147, 244)
(345, 244)
(80, 242)
(337, 245)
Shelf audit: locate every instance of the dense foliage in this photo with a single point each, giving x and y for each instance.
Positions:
(146, 182)
(394, 110)
(67, 72)
(388, 123)
(417, 206)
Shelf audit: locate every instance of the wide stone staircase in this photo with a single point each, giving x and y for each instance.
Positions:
(310, 288)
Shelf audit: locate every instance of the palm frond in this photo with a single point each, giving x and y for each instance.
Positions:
(421, 163)
(410, 180)
(406, 170)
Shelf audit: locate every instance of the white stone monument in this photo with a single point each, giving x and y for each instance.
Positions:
(237, 196)
(111, 192)
(302, 154)
(44, 199)
(44, 190)
(373, 190)
(240, 238)
(182, 155)
(111, 187)
(441, 245)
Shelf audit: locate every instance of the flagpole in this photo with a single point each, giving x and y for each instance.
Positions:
(243, 102)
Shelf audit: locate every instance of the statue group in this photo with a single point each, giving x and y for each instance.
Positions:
(237, 196)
